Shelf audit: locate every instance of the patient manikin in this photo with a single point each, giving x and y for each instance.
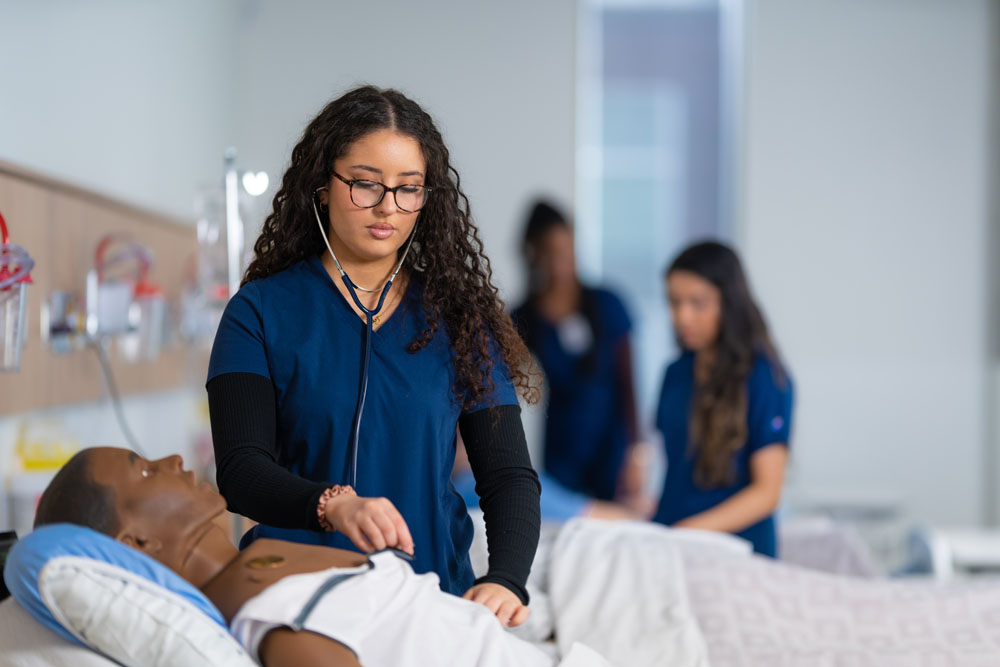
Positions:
(287, 603)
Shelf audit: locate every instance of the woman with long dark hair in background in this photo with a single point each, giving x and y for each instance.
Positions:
(371, 194)
(726, 405)
(580, 336)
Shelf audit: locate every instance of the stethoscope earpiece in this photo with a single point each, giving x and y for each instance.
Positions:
(316, 197)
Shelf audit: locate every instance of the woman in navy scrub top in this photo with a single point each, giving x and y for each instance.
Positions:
(283, 376)
(580, 336)
(725, 409)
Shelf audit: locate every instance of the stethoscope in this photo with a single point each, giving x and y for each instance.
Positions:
(370, 313)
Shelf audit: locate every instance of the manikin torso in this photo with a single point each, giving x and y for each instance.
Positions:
(254, 569)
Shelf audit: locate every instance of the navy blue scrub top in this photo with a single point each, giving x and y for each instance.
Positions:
(296, 329)
(586, 431)
(769, 416)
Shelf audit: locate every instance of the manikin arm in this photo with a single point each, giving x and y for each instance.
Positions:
(284, 647)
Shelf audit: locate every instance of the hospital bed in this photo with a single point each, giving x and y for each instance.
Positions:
(646, 595)
(72, 583)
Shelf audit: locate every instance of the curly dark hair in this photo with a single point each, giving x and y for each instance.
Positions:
(447, 251)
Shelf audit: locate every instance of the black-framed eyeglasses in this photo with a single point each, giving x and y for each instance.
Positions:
(368, 194)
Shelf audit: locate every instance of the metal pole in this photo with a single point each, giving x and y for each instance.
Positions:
(234, 226)
(234, 255)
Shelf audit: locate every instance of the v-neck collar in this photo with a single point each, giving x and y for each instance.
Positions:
(316, 264)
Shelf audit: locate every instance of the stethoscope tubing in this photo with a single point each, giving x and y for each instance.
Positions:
(352, 452)
(370, 313)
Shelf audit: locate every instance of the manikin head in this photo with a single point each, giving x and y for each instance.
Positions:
(153, 506)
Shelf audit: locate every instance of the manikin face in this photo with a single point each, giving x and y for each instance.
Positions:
(377, 233)
(161, 510)
(695, 308)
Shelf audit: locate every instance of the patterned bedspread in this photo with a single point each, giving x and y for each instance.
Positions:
(756, 612)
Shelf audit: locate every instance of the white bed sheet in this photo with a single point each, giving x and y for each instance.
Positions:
(754, 611)
(24, 642)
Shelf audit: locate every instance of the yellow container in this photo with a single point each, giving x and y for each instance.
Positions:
(43, 446)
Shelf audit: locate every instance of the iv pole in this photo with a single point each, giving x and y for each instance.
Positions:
(234, 252)
(234, 225)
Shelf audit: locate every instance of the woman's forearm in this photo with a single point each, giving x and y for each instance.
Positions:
(740, 511)
(757, 501)
(255, 486)
(508, 492)
(247, 469)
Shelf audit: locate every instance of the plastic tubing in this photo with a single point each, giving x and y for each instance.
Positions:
(12, 255)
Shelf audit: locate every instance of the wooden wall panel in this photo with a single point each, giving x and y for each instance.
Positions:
(60, 225)
(76, 225)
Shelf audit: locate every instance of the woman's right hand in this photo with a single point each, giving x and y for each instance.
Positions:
(370, 523)
(633, 475)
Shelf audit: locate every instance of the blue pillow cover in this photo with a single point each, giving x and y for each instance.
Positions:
(30, 554)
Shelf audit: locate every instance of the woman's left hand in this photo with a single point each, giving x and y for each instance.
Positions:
(501, 601)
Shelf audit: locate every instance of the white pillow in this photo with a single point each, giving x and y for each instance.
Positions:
(92, 589)
(133, 620)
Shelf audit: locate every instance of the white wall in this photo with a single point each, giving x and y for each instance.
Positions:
(864, 216)
(139, 99)
(865, 228)
(132, 99)
(498, 78)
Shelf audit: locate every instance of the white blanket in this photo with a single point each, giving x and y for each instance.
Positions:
(388, 615)
(620, 588)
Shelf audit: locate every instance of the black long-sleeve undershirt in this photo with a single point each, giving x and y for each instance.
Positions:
(508, 490)
(244, 428)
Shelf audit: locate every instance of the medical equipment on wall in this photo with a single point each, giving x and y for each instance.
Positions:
(370, 313)
(121, 305)
(15, 276)
(122, 301)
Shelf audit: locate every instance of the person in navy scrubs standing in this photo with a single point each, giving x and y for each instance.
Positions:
(725, 409)
(372, 170)
(580, 336)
